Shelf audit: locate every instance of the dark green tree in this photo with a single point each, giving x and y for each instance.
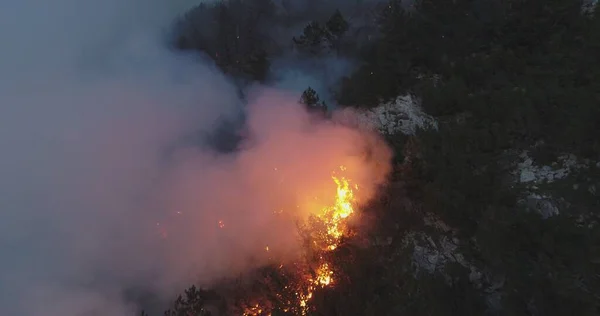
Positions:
(388, 65)
(336, 27)
(313, 40)
(193, 302)
(311, 100)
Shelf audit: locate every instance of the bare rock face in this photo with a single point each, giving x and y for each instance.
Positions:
(533, 177)
(529, 172)
(544, 205)
(403, 115)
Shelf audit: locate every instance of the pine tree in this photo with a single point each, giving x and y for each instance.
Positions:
(311, 100)
(336, 27)
(193, 302)
(312, 40)
(256, 65)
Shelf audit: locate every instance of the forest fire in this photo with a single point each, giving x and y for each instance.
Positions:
(324, 233)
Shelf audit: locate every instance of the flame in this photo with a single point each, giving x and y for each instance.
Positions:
(324, 275)
(333, 221)
(255, 310)
(334, 217)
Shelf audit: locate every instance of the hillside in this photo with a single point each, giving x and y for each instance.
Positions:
(492, 110)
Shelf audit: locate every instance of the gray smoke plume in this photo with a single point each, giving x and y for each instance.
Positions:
(101, 193)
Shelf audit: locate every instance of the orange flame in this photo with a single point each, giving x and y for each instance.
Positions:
(334, 218)
(324, 275)
(255, 310)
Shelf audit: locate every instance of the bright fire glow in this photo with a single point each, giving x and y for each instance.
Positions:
(332, 220)
(334, 217)
(254, 311)
(324, 275)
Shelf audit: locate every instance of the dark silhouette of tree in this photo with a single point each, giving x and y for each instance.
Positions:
(317, 39)
(336, 27)
(313, 39)
(311, 100)
(195, 302)
(230, 33)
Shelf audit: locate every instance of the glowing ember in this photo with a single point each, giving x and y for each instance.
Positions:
(254, 311)
(333, 218)
(329, 228)
(324, 275)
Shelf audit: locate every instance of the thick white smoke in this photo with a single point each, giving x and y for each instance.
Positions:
(89, 98)
(91, 101)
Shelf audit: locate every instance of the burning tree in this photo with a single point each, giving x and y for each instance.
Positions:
(294, 285)
(284, 288)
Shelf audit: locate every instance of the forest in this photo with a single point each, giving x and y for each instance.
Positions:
(501, 77)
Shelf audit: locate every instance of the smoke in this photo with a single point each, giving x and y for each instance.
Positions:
(235, 206)
(322, 74)
(97, 195)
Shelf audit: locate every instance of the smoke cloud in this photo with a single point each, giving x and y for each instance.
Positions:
(98, 196)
